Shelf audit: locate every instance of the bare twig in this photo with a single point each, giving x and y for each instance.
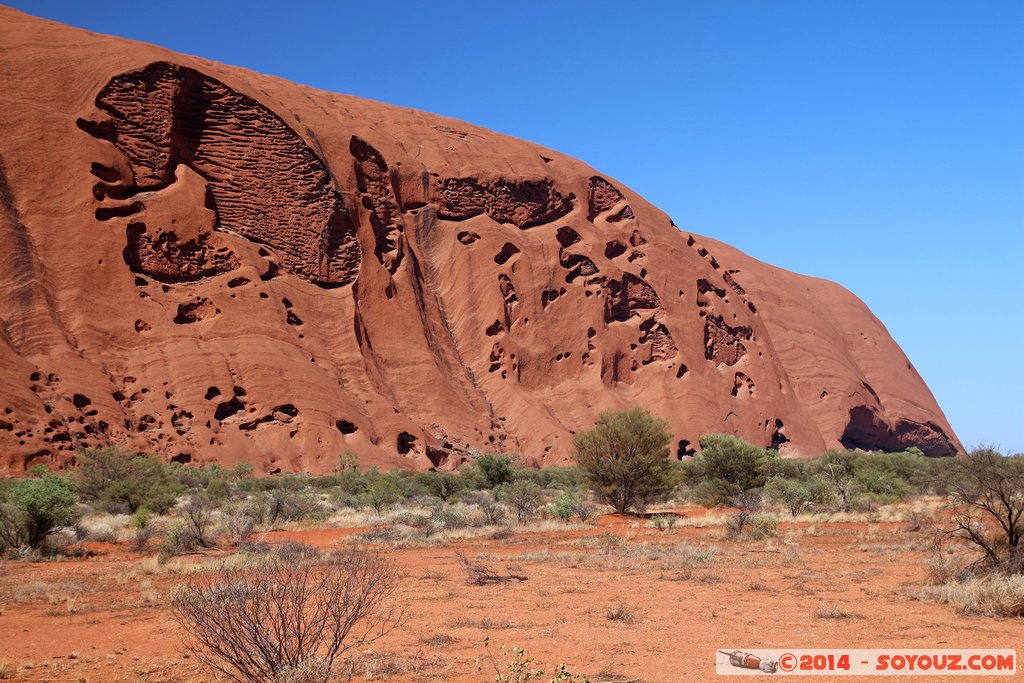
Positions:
(480, 573)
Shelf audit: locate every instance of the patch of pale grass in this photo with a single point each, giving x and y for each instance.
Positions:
(104, 528)
(487, 623)
(404, 536)
(388, 666)
(994, 595)
(835, 612)
(628, 556)
(916, 510)
(711, 519)
(438, 640)
(189, 566)
(769, 554)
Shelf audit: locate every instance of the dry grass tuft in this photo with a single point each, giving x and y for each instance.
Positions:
(620, 612)
(487, 623)
(439, 640)
(835, 612)
(995, 595)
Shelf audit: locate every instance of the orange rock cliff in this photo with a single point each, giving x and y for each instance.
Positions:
(220, 266)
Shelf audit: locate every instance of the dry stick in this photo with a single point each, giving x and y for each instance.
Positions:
(481, 574)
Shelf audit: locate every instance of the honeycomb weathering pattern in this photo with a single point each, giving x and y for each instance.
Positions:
(176, 234)
(266, 183)
(524, 203)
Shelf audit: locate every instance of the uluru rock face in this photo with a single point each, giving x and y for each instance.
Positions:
(220, 266)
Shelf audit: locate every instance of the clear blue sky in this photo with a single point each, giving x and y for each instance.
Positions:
(877, 143)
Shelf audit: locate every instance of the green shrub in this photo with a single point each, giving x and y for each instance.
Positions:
(381, 495)
(179, 539)
(513, 666)
(763, 526)
(838, 468)
(726, 468)
(795, 495)
(877, 475)
(496, 469)
(117, 480)
(444, 520)
(140, 518)
(523, 497)
(664, 522)
(443, 485)
(564, 505)
(198, 515)
(625, 458)
(282, 505)
(33, 508)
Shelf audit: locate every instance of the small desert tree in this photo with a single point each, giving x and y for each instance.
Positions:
(295, 615)
(123, 481)
(31, 509)
(986, 490)
(496, 469)
(522, 496)
(726, 468)
(625, 458)
(794, 494)
(198, 517)
(381, 495)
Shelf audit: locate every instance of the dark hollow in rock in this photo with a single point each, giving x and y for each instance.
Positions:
(508, 250)
(524, 203)
(228, 408)
(195, 311)
(567, 237)
(722, 343)
(168, 260)
(614, 249)
(265, 182)
(405, 443)
(373, 181)
(683, 449)
(603, 197)
(868, 430)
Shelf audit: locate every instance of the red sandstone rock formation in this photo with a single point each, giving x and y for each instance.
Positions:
(220, 266)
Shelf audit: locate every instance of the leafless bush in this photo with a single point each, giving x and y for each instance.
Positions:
(481, 573)
(239, 527)
(291, 616)
(198, 516)
(583, 510)
(493, 511)
(142, 535)
(747, 504)
(986, 490)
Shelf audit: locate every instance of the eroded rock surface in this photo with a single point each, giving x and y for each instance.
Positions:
(219, 266)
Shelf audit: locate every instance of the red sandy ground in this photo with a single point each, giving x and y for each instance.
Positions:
(89, 620)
